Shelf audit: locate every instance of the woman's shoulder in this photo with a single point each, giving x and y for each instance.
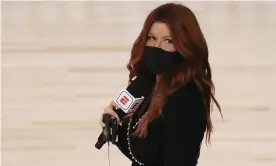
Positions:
(187, 98)
(189, 92)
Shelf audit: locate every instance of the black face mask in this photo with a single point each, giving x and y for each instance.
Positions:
(157, 60)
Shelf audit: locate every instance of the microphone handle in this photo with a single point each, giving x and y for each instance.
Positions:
(102, 139)
(119, 112)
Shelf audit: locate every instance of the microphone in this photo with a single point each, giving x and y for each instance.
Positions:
(127, 103)
(128, 100)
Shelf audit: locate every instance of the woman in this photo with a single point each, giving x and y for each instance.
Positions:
(171, 54)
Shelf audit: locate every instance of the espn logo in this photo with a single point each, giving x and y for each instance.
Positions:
(135, 105)
(124, 100)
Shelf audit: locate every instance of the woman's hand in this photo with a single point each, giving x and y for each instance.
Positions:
(109, 110)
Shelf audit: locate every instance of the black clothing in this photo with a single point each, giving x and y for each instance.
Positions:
(174, 139)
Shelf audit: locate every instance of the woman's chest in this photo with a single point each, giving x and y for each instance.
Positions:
(148, 149)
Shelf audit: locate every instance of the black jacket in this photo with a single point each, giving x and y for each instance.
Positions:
(174, 139)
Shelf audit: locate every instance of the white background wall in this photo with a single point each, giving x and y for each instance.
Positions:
(62, 62)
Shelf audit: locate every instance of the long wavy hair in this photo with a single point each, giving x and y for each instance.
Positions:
(189, 40)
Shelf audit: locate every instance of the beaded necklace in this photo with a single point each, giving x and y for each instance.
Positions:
(128, 140)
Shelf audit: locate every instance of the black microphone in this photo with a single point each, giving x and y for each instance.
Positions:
(128, 100)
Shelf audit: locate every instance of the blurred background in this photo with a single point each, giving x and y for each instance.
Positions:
(63, 62)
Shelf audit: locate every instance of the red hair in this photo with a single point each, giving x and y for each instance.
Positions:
(189, 40)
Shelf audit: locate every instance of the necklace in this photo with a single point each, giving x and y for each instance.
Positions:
(128, 141)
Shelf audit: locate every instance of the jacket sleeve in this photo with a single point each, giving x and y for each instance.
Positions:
(184, 127)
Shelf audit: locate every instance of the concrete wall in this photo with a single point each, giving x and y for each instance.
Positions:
(62, 62)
